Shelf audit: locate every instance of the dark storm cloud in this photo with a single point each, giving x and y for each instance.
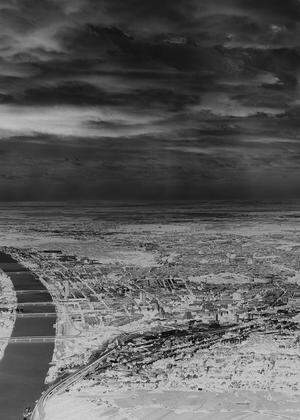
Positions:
(210, 22)
(182, 15)
(141, 16)
(67, 93)
(82, 93)
(160, 99)
(210, 165)
(25, 15)
(288, 9)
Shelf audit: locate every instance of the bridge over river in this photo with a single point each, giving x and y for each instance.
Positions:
(27, 356)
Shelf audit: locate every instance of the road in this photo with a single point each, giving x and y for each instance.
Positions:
(61, 386)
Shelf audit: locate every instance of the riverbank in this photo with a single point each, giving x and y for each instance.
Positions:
(8, 304)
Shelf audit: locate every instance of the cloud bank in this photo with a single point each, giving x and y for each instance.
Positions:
(160, 100)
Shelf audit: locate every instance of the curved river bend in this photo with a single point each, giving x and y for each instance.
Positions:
(24, 366)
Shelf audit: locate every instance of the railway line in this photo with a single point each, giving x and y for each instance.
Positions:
(61, 386)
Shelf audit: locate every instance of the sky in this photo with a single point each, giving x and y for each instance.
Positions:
(149, 100)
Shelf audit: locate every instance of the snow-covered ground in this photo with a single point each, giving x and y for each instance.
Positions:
(7, 318)
(173, 405)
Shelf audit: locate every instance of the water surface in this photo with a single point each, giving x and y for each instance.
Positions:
(24, 366)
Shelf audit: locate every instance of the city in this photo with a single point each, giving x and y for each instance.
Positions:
(204, 310)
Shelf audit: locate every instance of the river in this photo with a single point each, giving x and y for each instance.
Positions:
(24, 366)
